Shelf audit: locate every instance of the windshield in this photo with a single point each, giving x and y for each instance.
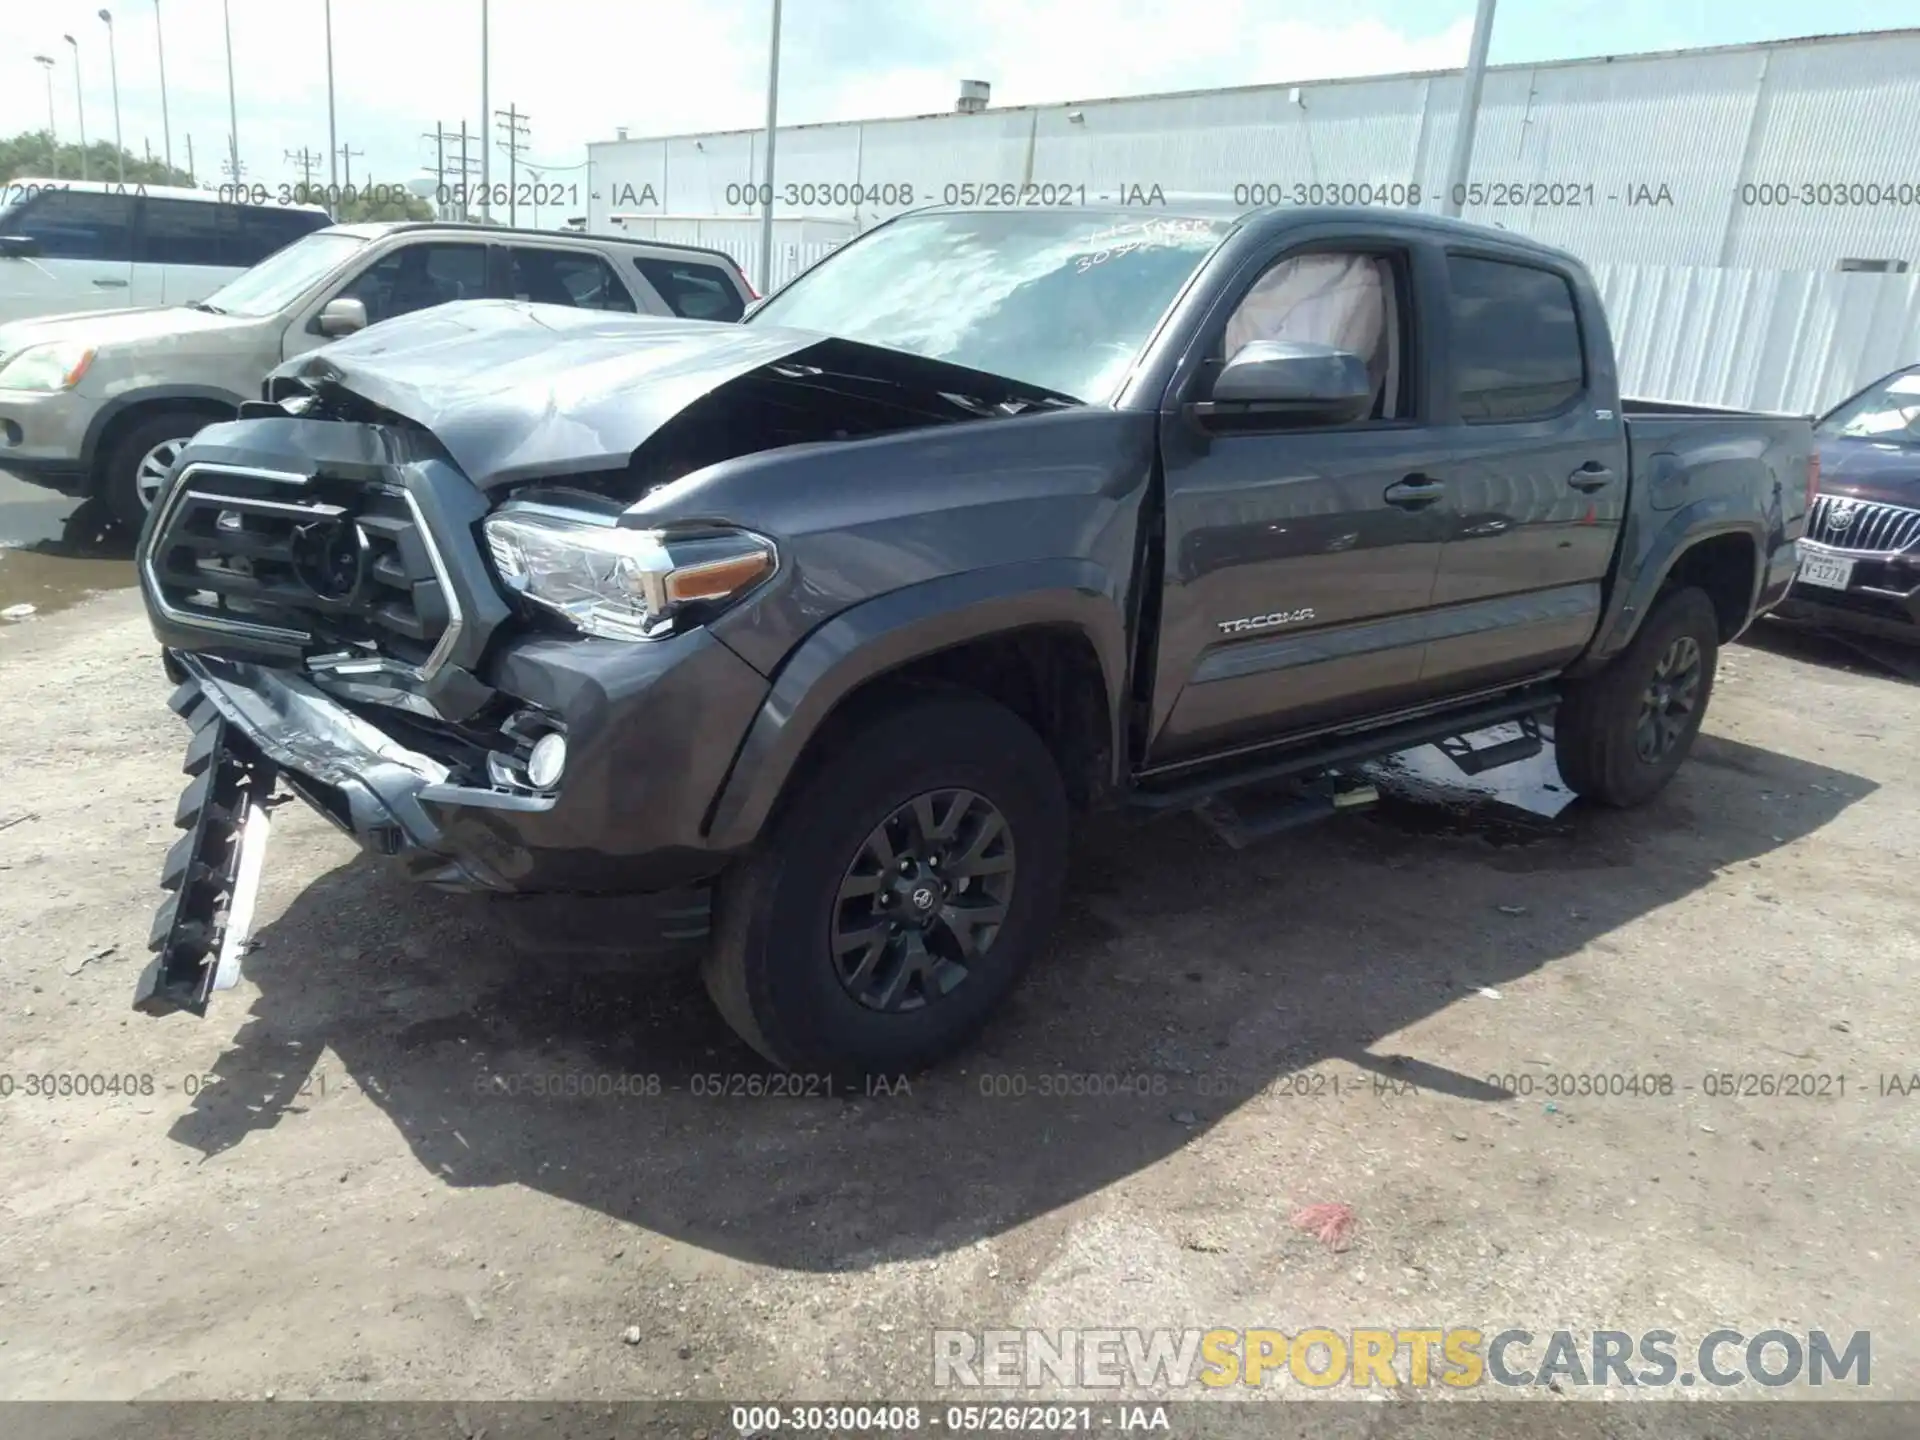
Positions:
(1889, 412)
(1060, 299)
(277, 280)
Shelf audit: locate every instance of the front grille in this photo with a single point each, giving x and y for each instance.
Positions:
(1862, 525)
(330, 565)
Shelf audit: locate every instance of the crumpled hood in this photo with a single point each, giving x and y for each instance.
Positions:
(518, 391)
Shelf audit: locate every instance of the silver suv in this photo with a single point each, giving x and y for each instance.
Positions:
(99, 403)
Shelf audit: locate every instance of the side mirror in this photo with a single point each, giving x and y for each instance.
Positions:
(341, 316)
(18, 247)
(1291, 382)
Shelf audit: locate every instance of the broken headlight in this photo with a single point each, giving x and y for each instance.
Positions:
(622, 584)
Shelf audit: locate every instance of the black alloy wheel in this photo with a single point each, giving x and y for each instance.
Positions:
(1667, 704)
(923, 900)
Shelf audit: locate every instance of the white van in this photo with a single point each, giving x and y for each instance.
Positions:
(68, 245)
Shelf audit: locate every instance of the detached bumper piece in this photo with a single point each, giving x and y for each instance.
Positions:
(212, 872)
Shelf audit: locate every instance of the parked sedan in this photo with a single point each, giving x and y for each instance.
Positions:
(1860, 558)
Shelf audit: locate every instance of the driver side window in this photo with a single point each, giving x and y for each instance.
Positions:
(1334, 298)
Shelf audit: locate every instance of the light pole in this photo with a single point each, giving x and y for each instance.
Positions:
(166, 125)
(1469, 116)
(333, 141)
(45, 62)
(773, 110)
(486, 119)
(79, 103)
(233, 106)
(113, 60)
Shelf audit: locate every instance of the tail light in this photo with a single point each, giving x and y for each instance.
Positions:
(1813, 477)
(751, 292)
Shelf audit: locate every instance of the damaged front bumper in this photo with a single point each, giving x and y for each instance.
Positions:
(627, 820)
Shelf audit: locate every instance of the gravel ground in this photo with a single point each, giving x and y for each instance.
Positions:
(321, 1190)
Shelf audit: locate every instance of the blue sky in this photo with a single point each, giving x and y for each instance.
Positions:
(582, 67)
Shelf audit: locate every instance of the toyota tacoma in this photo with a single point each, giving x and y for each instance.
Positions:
(822, 626)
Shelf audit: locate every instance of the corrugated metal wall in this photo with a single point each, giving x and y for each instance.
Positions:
(1793, 340)
(1654, 149)
(1690, 180)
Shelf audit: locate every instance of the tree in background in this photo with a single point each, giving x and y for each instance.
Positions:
(31, 154)
(386, 203)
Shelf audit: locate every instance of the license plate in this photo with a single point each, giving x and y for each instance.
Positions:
(1828, 573)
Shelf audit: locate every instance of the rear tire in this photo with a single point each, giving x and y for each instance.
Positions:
(133, 468)
(1622, 733)
(881, 839)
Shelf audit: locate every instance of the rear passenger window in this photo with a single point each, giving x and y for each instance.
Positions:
(699, 292)
(77, 225)
(189, 232)
(1516, 340)
(567, 277)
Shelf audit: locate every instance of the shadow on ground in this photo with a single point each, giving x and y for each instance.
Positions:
(1841, 649)
(1192, 974)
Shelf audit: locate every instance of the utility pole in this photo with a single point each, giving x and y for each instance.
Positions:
(45, 62)
(192, 179)
(233, 104)
(333, 140)
(347, 152)
(308, 161)
(113, 59)
(773, 111)
(455, 195)
(515, 144)
(486, 169)
(79, 103)
(166, 123)
(1469, 117)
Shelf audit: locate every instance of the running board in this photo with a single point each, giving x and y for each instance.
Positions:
(1527, 744)
(212, 872)
(1243, 820)
(1352, 748)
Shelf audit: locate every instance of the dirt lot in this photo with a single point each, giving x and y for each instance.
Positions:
(325, 1193)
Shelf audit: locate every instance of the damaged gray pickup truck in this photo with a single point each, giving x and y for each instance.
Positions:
(823, 625)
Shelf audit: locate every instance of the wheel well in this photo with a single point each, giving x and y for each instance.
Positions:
(1049, 676)
(124, 420)
(1724, 567)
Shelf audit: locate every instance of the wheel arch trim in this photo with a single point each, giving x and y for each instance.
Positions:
(152, 397)
(881, 635)
(1633, 592)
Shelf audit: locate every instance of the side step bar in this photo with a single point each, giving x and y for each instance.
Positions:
(1524, 746)
(1353, 747)
(1242, 820)
(212, 872)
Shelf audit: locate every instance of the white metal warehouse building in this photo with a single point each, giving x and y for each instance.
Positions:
(1752, 212)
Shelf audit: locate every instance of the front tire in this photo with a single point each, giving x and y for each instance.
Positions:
(898, 896)
(136, 465)
(1622, 733)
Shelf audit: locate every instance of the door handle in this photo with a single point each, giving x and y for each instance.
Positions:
(111, 284)
(1414, 491)
(1590, 476)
